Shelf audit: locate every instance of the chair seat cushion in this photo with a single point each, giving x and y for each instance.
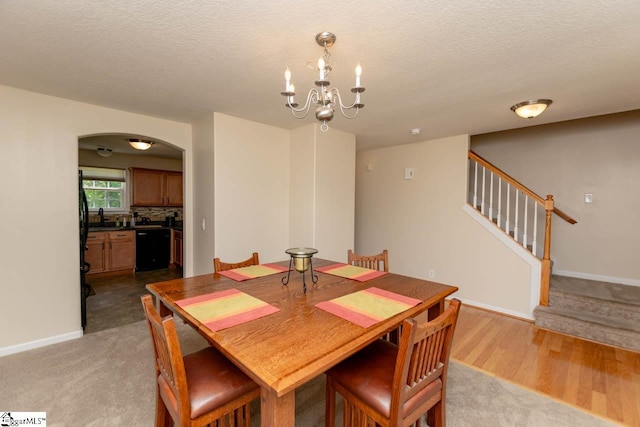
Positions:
(368, 375)
(212, 380)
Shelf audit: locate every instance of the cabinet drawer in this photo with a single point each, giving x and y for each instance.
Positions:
(95, 237)
(121, 235)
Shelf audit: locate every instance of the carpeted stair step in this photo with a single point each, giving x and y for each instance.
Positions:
(606, 299)
(608, 330)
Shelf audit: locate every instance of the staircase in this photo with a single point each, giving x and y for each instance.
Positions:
(598, 311)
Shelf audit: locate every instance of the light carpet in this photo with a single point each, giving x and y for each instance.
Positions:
(106, 379)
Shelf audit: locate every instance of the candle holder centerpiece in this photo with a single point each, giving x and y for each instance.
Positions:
(301, 260)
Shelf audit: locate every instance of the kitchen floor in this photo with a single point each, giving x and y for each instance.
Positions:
(117, 298)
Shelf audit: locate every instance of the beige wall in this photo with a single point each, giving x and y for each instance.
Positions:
(38, 167)
(251, 165)
(599, 155)
(423, 225)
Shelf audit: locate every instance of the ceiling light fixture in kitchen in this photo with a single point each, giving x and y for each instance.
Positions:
(325, 98)
(140, 144)
(104, 151)
(531, 108)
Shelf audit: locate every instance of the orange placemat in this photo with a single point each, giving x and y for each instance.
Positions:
(368, 307)
(351, 272)
(253, 271)
(224, 309)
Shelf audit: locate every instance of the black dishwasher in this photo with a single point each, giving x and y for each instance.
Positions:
(152, 249)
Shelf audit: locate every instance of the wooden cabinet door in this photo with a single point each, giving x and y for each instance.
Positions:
(95, 254)
(174, 189)
(122, 253)
(148, 187)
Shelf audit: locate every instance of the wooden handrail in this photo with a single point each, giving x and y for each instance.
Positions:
(539, 200)
(564, 216)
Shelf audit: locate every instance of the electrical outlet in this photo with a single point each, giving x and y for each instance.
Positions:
(431, 273)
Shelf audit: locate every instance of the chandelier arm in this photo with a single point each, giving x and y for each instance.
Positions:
(312, 98)
(336, 95)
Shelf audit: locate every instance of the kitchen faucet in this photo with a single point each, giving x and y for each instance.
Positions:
(101, 213)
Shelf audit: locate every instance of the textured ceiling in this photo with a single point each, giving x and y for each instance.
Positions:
(449, 67)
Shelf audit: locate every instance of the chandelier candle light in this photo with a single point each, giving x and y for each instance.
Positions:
(324, 97)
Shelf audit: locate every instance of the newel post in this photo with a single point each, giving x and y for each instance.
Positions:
(545, 275)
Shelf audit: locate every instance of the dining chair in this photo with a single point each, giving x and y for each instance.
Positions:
(393, 386)
(222, 266)
(200, 388)
(374, 262)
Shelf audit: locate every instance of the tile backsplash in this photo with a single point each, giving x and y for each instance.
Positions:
(153, 213)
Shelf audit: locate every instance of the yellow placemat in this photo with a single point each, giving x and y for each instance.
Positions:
(368, 307)
(253, 271)
(360, 274)
(221, 310)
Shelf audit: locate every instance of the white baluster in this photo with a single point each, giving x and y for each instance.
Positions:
(499, 202)
(506, 225)
(526, 209)
(515, 220)
(483, 187)
(535, 229)
(491, 198)
(475, 187)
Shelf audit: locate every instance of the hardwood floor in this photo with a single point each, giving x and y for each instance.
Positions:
(597, 378)
(117, 298)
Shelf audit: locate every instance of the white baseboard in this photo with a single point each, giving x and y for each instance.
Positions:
(18, 348)
(501, 310)
(597, 277)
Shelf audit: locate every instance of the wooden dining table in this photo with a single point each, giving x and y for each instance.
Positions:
(290, 347)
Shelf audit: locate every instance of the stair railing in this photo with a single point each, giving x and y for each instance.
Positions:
(520, 213)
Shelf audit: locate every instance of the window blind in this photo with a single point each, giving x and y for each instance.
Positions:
(105, 174)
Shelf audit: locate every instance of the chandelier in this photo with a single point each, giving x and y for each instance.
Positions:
(325, 98)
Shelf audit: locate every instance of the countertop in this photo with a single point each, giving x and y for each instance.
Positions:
(112, 227)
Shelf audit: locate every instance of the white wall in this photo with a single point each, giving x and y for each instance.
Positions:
(335, 194)
(39, 250)
(302, 166)
(422, 224)
(251, 165)
(322, 191)
(599, 155)
(203, 189)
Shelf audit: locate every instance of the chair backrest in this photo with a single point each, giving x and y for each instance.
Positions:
(222, 266)
(172, 379)
(370, 261)
(423, 357)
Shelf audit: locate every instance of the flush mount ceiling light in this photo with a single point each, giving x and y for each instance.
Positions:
(531, 108)
(324, 97)
(104, 151)
(140, 144)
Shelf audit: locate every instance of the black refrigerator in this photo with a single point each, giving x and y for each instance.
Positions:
(85, 289)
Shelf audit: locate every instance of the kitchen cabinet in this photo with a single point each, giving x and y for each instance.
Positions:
(177, 248)
(152, 187)
(95, 253)
(111, 251)
(121, 253)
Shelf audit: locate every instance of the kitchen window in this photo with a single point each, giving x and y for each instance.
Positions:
(105, 188)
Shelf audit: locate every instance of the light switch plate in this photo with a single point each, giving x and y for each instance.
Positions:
(588, 198)
(408, 173)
